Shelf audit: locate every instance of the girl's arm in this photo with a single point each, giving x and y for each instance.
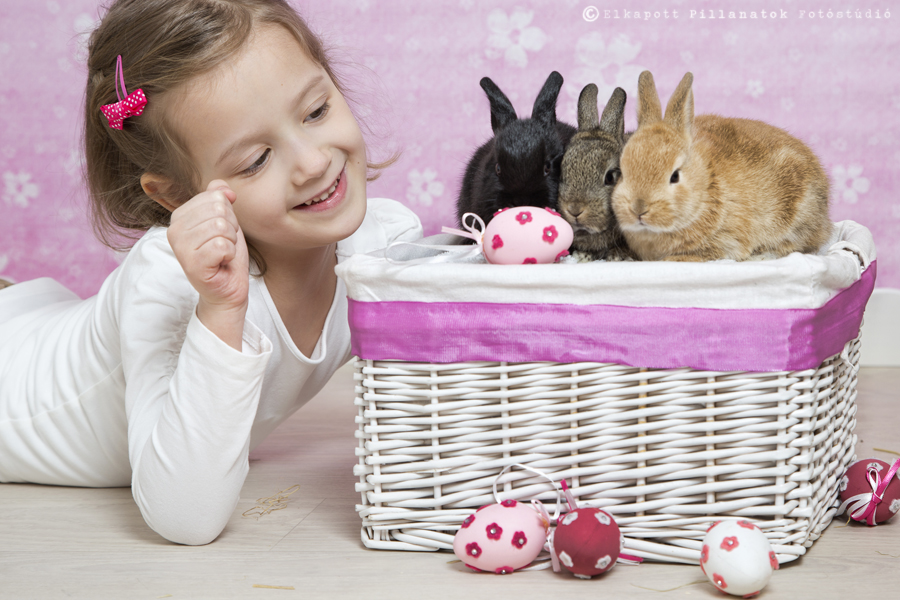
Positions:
(193, 370)
(207, 240)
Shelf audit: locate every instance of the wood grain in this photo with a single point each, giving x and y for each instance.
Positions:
(60, 542)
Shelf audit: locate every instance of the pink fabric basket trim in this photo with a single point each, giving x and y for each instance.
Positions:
(662, 338)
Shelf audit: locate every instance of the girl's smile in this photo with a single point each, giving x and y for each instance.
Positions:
(327, 199)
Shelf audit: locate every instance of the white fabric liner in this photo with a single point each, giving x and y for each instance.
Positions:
(795, 281)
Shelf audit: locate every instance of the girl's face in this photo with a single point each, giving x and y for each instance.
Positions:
(272, 124)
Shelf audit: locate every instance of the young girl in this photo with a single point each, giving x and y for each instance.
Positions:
(248, 172)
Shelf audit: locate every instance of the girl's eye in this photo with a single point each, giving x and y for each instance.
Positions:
(319, 112)
(260, 162)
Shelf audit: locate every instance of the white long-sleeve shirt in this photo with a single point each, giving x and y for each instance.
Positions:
(128, 387)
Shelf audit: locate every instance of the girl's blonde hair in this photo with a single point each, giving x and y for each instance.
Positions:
(164, 44)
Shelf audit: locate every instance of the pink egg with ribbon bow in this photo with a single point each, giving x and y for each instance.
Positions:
(526, 235)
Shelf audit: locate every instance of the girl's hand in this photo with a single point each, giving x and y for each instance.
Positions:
(209, 244)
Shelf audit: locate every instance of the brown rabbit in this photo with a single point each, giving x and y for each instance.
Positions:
(589, 173)
(712, 187)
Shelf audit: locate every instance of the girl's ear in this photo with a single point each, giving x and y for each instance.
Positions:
(159, 189)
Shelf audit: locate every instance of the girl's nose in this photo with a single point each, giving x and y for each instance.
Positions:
(311, 161)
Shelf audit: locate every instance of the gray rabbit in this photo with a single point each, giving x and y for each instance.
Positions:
(589, 173)
(520, 165)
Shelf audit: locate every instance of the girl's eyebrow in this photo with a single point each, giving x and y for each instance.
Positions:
(249, 138)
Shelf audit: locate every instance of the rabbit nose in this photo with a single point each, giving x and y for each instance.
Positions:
(576, 211)
(639, 209)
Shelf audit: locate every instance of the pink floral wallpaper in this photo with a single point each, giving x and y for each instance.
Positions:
(827, 72)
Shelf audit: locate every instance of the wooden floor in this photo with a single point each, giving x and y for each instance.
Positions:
(88, 543)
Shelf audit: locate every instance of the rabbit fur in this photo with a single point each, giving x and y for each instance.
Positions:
(588, 176)
(710, 187)
(519, 166)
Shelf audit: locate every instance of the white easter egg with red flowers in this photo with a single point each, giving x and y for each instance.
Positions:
(737, 558)
(526, 235)
(500, 538)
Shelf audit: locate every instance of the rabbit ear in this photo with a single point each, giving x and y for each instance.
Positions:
(545, 105)
(502, 111)
(588, 117)
(613, 119)
(649, 109)
(680, 110)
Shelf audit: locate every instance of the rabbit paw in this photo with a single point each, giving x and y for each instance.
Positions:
(580, 256)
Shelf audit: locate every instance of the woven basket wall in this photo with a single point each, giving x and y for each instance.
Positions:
(665, 451)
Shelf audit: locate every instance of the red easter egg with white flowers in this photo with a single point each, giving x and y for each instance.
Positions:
(587, 542)
(526, 235)
(855, 481)
(500, 538)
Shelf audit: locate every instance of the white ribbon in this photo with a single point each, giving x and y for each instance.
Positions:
(534, 502)
(539, 563)
(454, 253)
(471, 233)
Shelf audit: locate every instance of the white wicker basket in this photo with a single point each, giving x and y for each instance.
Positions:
(664, 451)
(675, 395)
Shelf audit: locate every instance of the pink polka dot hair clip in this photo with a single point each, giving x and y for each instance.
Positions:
(132, 106)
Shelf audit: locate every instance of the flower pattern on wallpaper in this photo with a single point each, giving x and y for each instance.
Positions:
(423, 187)
(606, 62)
(755, 88)
(18, 188)
(848, 183)
(817, 80)
(512, 36)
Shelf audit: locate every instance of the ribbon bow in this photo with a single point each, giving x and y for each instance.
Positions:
(132, 106)
(472, 233)
(862, 506)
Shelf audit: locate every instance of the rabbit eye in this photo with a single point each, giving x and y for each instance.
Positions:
(612, 176)
(546, 169)
(497, 168)
(674, 177)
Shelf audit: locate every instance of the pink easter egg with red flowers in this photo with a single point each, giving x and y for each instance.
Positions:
(500, 538)
(737, 558)
(587, 542)
(526, 235)
(856, 481)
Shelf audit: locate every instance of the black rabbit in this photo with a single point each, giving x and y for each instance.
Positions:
(520, 165)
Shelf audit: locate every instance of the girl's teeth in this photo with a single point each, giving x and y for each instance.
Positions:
(329, 192)
(325, 195)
